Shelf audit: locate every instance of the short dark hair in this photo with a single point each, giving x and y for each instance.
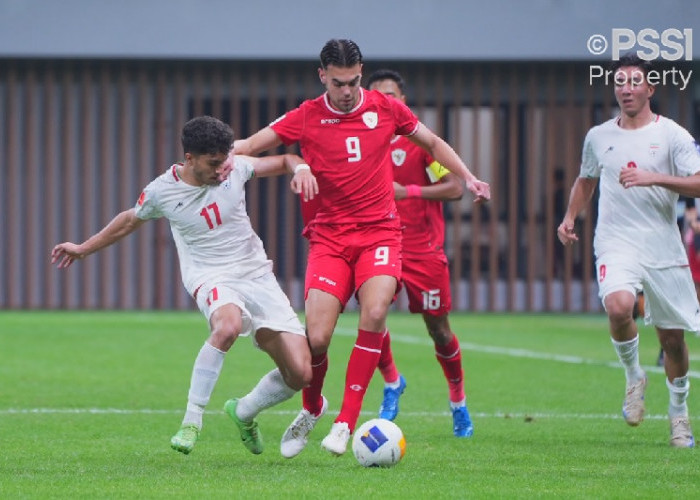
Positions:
(206, 135)
(386, 74)
(341, 53)
(632, 59)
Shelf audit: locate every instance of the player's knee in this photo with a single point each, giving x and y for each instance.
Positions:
(374, 314)
(225, 332)
(299, 376)
(672, 342)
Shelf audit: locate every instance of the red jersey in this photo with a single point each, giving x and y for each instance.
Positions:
(422, 220)
(347, 153)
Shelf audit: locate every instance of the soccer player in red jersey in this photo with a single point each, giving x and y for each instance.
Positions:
(420, 186)
(355, 236)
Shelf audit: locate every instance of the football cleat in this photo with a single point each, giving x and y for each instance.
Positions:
(250, 434)
(461, 422)
(390, 404)
(185, 439)
(337, 439)
(296, 436)
(681, 435)
(633, 406)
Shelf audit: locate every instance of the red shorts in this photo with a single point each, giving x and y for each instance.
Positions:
(427, 281)
(342, 257)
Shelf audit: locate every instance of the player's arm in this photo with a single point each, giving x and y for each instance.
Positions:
(581, 193)
(303, 180)
(637, 177)
(122, 225)
(260, 141)
(449, 187)
(445, 155)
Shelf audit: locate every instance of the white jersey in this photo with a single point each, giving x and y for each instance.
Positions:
(639, 222)
(210, 225)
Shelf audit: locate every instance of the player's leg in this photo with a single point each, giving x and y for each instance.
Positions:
(676, 368)
(673, 308)
(225, 324)
(619, 279)
(394, 382)
(449, 354)
(322, 311)
(374, 296)
(328, 287)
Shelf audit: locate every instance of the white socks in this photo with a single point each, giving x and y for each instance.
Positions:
(628, 353)
(678, 392)
(205, 373)
(270, 391)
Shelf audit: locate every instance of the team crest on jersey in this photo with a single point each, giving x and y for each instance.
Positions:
(398, 156)
(653, 148)
(370, 118)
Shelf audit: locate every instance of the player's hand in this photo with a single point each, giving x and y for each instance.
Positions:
(400, 191)
(304, 183)
(636, 177)
(65, 254)
(566, 234)
(225, 168)
(480, 189)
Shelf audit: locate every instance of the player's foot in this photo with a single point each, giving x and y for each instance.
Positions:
(185, 438)
(250, 434)
(461, 422)
(633, 406)
(390, 404)
(337, 439)
(681, 435)
(296, 436)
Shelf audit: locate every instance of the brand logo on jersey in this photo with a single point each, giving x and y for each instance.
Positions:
(370, 118)
(609, 149)
(329, 121)
(398, 156)
(142, 198)
(326, 280)
(179, 204)
(653, 148)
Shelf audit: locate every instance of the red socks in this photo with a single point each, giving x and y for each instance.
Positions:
(361, 366)
(450, 358)
(311, 395)
(386, 361)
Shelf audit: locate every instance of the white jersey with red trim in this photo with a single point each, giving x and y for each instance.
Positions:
(639, 221)
(210, 225)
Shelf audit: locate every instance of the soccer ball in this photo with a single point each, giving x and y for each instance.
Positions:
(378, 443)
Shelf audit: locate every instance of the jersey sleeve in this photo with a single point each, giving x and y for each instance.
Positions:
(685, 153)
(590, 166)
(147, 206)
(406, 121)
(289, 126)
(244, 169)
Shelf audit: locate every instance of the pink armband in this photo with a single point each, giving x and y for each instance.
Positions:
(413, 191)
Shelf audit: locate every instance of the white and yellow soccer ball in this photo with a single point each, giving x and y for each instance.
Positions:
(378, 443)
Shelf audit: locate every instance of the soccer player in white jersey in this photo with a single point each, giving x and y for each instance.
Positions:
(643, 161)
(224, 268)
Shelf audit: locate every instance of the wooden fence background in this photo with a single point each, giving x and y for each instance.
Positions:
(80, 138)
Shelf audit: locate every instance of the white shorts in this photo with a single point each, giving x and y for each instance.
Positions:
(262, 302)
(670, 301)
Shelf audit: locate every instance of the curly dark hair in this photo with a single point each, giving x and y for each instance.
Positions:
(206, 135)
(340, 53)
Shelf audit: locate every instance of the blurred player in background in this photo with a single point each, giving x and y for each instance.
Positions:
(354, 237)
(644, 161)
(224, 268)
(420, 186)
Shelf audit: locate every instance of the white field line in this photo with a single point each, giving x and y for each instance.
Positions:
(435, 414)
(518, 353)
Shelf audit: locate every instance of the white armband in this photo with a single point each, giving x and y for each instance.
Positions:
(301, 166)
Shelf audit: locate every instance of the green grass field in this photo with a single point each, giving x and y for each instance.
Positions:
(89, 401)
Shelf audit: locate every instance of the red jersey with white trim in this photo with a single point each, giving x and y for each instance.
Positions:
(422, 220)
(347, 153)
